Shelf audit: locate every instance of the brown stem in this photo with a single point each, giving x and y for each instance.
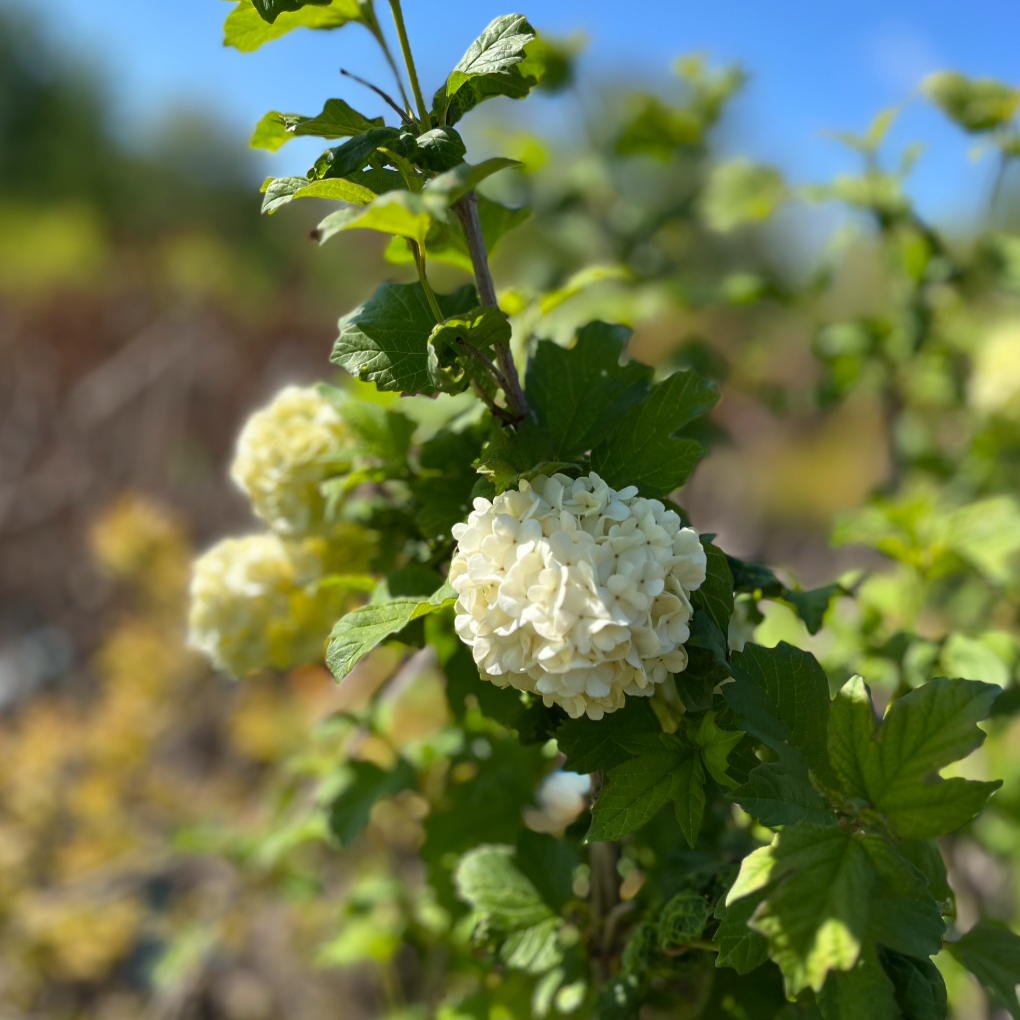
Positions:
(604, 898)
(466, 208)
(497, 378)
(498, 411)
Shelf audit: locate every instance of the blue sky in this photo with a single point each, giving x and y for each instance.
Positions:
(815, 66)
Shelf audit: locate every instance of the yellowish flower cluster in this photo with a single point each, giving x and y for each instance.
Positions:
(576, 592)
(283, 455)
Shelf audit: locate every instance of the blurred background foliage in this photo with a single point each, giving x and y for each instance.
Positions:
(165, 847)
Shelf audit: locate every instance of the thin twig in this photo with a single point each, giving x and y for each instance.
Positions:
(499, 412)
(466, 208)
(476, 353)
(379, 92)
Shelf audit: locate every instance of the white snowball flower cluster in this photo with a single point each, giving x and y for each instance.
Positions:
(576, 592)
(994, 386)
(254, 603)
(282, 456)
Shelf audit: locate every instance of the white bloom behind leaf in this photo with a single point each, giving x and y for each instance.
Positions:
(283, 455)
(255, 604)
(576, 592)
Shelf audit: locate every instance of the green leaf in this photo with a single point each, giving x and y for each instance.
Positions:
(917, 985)
(740, 946)
(754, 577)
(270, 133)
(863, 993)
(815, 911)
(349, 813)
(450, 365)
(590, 745)
(798, 689)
(642, 450)
(381, 433)
(496, 50)
(975, 104)
(715, 745)
(715, 596)
(780, 793)
(925, 855)
(991, 952)
(397, 212)
(579, 393)
(352, 155)
(666, 769)
(811, 606)
(270, 10)
(550, 864)
(281, 190)
(247, 30)
(385, 340)
(506, 903)
(337, 120)
(826, 892)
(446, 188)
(895, 769)
(440, 149)
(682, 920)
(740, 192)
(357, 633)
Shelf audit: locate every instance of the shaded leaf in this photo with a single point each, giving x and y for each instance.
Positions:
(590, 745)
(349, 813)
(353, 154)
(991, 952)
(917, 985)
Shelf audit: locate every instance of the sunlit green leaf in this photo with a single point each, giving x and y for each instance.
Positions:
(975, 104)
(282, 190)
(397, 212)
(247, 29)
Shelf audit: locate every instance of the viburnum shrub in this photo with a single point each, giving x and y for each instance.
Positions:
(755, 847)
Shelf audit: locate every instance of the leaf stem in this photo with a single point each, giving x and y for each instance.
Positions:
(498, 411)
(466, 208)
(419, 261)
(405, 46)
(379, 92)
(476, 353)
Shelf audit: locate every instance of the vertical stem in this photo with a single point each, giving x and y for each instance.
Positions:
(466, 208)
(419, 261)
(405, 46)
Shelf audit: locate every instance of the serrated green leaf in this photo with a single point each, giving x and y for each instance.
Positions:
(590, 745)
(740, 947)
(352, 155)
(682, 920)
(815, 913)
(864, 992)
(797, 688)
(580, 393)
(397, 212)
(349, 813)
(753, 577)
(715, 596)
(247, 30)
(496, 50)
(715, 745)
(385, 340)
(917, 985)
(337, 120)
(359, 631)
(991, 952)
(895, 769)
(925, 855)
(780, 793)
(282, 190)
(667, 769)
(642, 450)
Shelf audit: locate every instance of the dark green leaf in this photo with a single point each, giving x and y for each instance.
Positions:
(715, 596)
(811, 606)
(895, 769)
(864, 992)
(270, 10)
(740, 947)
(337, 120)
(589, 745)
(642, 450)
(451, 366)
(682, 920)
(925, 855)
(549, 864)
(668, 769)
(353, 154)
(991, 952)
(798, 688)
(349, 812)
(440, 149)
(780, 793)
(753, 577)
(697, 683)
(385, 341)
(579, 393)
(917, 984)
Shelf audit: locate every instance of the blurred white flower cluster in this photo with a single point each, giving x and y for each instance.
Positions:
(561, 799)
(576, 592)
(994, 386)
(258, 601)
(283, 454)
(254, 603)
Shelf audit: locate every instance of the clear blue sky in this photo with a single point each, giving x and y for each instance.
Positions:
(814, 65)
